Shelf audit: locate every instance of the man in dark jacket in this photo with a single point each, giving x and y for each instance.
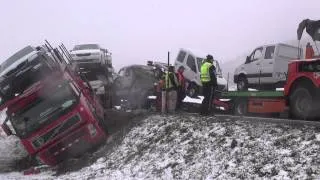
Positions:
(209, 82)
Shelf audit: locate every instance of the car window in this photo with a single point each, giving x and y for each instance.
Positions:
(257, 54)
(181, 56)
(269, 52)
(191, 63)
(289, 52)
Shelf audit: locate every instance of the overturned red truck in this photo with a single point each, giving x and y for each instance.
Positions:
(57, 116)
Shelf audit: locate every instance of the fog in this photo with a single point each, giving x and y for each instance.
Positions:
(141, 30)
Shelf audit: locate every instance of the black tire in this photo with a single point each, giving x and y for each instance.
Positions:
(242, 84)
(301, 103)
(193, 90)
(240, 107)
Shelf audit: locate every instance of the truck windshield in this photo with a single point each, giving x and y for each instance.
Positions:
(45, 109)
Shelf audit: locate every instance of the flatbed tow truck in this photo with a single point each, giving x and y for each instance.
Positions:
(300, 98)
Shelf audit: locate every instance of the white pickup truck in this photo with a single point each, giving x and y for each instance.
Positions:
(266, 67)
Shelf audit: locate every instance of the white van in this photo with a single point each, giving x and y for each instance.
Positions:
(266, 67)
(192, 64)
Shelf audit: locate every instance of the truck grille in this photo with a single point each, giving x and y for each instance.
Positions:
(56, 131)
(84, 54)
(74, 138)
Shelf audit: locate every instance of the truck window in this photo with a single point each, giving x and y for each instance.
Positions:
(269, 52)
(289, 52)
(191, 63)
(181, 56)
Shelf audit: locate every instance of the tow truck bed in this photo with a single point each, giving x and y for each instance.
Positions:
(243, 102)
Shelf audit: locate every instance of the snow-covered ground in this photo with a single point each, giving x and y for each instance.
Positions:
(188, 146)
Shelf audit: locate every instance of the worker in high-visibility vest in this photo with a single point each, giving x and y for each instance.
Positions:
(159, 89)
(209, 82)
(169, 98)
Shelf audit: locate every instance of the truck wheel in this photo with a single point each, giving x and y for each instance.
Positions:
(242, 83)
(192, 90)
(301, 103)
(240, 107)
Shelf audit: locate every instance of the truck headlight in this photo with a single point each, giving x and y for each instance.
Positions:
(92, 130)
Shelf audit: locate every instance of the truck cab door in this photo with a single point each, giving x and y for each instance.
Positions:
(266, 65)
(252, 66)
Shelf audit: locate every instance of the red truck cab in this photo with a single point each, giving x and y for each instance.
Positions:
(302, 88)
(56, 118)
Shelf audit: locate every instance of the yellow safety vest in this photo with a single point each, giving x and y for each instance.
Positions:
(205, 74)
(169, 84)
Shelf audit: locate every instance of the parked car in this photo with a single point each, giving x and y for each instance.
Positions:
(90, 55)
(266, 67)
(134, 84)
(192, 64)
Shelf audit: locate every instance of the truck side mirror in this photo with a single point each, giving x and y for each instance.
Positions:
(6, 129)
(247, 59)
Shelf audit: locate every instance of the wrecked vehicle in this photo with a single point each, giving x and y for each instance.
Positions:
(90, 56)
(134, 84)
(191, 61)
(22, 69)
(56, 118)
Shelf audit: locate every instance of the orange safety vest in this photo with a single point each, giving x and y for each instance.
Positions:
(309, 52)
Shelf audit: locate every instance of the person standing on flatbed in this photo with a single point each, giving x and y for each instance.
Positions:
(209, 82)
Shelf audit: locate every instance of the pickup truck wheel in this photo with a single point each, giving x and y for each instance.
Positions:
(242, 83)
(301, 103)
(240, 107)
(192, 90)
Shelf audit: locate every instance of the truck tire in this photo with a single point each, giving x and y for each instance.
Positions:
(192, 90)
(240, 107)
(301, 103)
(242, 84)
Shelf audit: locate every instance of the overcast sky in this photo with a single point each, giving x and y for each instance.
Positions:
(140, 30)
